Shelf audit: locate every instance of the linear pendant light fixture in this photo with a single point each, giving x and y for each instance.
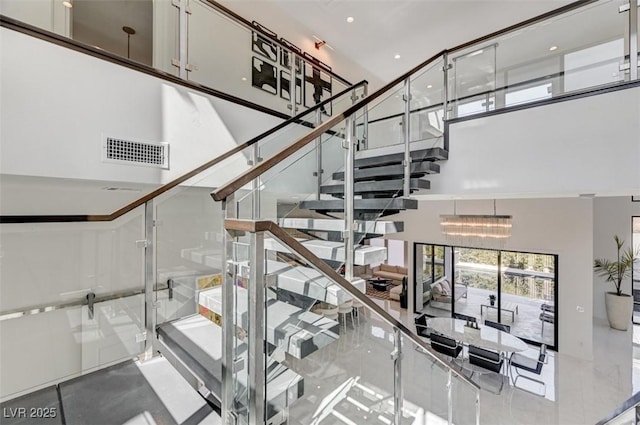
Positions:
(489, 231)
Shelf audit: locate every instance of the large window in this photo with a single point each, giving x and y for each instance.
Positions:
(518, 289)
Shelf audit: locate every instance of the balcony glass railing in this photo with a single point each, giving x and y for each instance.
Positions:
(71, 300)
(202, 42)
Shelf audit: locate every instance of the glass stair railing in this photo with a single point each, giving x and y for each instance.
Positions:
(136, 269)
(287, 290)
(628, 413)
(357, 363)
(335, 183)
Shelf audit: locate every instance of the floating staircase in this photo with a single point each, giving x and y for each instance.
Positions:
(292, 289)
(379, 178)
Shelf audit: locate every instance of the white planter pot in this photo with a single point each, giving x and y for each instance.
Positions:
(619, 309)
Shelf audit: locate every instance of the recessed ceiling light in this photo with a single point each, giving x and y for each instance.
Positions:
(244, 78)
(350, 19)
(429, 86)
(552, 48)
(67, 3)
(397, 56)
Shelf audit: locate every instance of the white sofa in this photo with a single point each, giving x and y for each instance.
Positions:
(441, 293)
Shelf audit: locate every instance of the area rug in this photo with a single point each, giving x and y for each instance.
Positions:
(383, 295)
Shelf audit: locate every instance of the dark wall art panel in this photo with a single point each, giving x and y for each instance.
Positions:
(264, 47)
(285, 86)
(317, 87)
(264, 76)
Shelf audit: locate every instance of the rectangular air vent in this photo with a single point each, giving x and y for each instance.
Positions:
(124, 151)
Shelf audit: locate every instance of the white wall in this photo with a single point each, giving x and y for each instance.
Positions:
(563, 149)
(551, 226)
(54, 116)
(611, 216)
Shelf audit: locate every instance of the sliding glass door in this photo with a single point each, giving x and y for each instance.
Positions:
(527, 296)
(518, 289)
(476, 272)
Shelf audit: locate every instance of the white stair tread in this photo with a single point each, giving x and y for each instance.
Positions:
(174, 392)
(210, 257)
(330, 250)
(311, 283)
(207, 336)
(297, 331)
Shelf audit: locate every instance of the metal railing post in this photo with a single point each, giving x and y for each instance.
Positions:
(365, 118)
(318, 172)
(228, 287)
(450, 398)
(406, 190)
(445, 98)
(445, 92)
(293, 87)
(349, 198)
(255, 184)
(398, 397)
(183, 48)
(633, 39)
(477, 407)
(149, 279)
(256, 332)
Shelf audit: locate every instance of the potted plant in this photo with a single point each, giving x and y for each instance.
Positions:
(403, 294)
(492, 299)
(618, 304)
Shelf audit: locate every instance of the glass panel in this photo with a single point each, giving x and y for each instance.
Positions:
(544, 56)
(225, 54)
(385, 119)
(424, 386)
(431, 266)
(427, 111)
(188, 250)
(53, 264)
(474, 78)
(528, 295)
(476, 279)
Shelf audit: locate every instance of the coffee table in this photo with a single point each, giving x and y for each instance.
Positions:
(380, 284)
(508, 307)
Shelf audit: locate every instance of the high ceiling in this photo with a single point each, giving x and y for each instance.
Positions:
(413, 29)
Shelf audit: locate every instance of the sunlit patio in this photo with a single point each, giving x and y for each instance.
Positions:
(526, 321)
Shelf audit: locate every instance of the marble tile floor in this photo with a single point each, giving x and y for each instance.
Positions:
(350, 382)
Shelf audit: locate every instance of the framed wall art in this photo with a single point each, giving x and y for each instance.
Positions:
(285, 86)
(317, 87)
(262, 45)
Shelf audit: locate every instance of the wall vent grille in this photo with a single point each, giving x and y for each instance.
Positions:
(121, 150)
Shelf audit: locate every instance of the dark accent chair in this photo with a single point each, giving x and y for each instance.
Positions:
(522, 362)
(485, 359)
(421, 326)
(499, 326)
(464, 317)
(445, 345)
